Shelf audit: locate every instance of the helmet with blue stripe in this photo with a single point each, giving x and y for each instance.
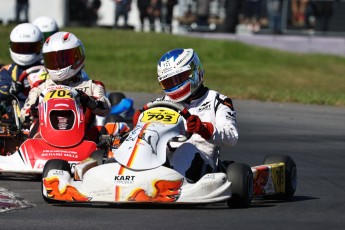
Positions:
(180, 73)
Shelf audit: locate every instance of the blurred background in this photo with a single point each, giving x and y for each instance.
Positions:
(320, 17)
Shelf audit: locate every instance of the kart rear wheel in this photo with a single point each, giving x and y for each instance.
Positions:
(114, 118)
(115, 98)
(290, 175)
(54, 164)
(241, 177)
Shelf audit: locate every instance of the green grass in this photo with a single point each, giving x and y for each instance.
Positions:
(126, 61)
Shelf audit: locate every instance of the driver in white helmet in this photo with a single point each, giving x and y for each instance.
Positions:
(213, 119)
(64, 56)
(26, 51)
(47, 25)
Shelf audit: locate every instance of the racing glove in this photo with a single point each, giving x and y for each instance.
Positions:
(195, 125)
(86, 100)
(136, 117)
(16, 87)
(34, 110)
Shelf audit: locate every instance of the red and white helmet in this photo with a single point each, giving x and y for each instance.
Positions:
(180, 73)
(26, 44)
(63, 55)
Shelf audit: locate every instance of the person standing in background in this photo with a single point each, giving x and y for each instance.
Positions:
(22, 6)
(143, 6)
(202, 12)
(122, 8)
(167, 16)
(298, 8)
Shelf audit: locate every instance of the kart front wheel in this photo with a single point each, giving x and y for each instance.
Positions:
(241, 177)
(54, 164)
(290, 175)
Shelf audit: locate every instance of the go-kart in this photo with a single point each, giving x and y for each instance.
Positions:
(140, 173)
(60, 135)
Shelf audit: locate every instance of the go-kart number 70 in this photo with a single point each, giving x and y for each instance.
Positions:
(61, 93)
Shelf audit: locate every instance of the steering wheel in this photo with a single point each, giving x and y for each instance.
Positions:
(28, 71)
(176, 107)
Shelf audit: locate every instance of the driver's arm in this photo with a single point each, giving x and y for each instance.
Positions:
(31, 100)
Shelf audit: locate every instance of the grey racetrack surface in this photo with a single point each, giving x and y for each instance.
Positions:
(314, 136)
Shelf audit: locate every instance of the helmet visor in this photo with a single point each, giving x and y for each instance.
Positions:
(176, 79)
(26, 47)
(57, 60)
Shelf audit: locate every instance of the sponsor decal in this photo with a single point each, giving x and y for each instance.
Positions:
(210, 176)
(230, 115)
(123, 179)
(59, 153)
(164, 191)
(205, 106)
(67, 193)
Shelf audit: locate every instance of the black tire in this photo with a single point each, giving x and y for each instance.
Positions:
(290, 175)
(241, 177)
(115, 98)
(114, 118)
(99, 156)
(54, 164)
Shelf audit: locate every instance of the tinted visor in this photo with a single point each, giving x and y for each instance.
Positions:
(57, 60)
(26, 47)
(176, 79)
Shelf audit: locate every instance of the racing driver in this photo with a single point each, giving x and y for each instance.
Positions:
(64, 56)
(212, 120)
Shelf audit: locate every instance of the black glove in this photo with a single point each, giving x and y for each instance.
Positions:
(86, 100)
(16, 87)
(34, 110)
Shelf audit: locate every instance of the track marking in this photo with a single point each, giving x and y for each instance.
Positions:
(10, 201)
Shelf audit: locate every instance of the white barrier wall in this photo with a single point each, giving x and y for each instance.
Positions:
(54, 8)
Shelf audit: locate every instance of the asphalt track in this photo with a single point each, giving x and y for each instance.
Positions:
(314, 136)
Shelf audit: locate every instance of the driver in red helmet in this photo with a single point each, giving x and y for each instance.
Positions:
(213, 119)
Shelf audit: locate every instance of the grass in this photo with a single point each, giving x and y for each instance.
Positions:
(126, 61)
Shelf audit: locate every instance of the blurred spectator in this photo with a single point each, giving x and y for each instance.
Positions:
(274, 10)
(298, 8)
(154, 11)
(143, 6)
(168, 15)
(122, 9)
(188, 17)
(22, 6)
(318, 14)
(233, 9)
(202, 12)
(252, 14)
(93, 7)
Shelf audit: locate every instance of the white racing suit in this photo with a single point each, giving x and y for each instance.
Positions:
(90, 87)
(214, 108)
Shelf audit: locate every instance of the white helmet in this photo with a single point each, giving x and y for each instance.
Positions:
(26, 44)
(63, 55)
(47, 25)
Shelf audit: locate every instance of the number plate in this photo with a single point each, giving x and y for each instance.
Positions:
(59, 93)
(164, 115)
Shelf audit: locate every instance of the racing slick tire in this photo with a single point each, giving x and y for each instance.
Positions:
(54, 164)
(115, 98)
(241, 177)
(290, 175)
